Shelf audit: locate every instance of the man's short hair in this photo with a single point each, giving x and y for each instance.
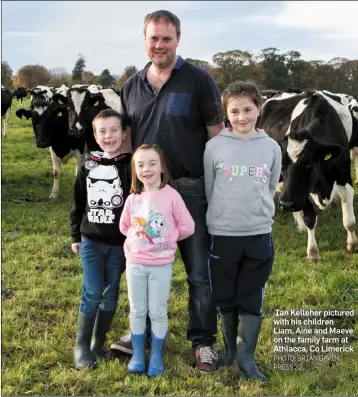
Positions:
(163, 15)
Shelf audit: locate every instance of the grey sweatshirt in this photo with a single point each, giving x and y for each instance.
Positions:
(241, 176)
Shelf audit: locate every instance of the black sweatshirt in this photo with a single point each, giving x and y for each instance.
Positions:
(101, 188)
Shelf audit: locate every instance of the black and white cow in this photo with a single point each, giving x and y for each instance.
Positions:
(267, 94)
(83, 106)
(50, 125)
(20, 94)
(352, 105)
(62, 90)
(315, 160)
(41, 92)
(61, 95)
(6, 100)
(349, 115)
(95, 87)
(81, 86)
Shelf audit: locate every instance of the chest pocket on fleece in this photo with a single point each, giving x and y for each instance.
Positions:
(178, 104)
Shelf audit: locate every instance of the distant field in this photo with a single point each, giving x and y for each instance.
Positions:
(43, 278)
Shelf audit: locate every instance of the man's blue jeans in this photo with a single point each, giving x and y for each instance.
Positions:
(102, 266)
(202, 325)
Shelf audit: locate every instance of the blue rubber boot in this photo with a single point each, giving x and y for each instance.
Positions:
(137, 362)
(156, 366)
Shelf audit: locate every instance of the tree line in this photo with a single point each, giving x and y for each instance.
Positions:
(269, 69)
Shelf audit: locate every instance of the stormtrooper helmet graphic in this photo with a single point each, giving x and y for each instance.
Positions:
(103, 188)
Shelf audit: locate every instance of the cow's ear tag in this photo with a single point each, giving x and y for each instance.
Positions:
(328, 156)
(59, 114)
(96, 103)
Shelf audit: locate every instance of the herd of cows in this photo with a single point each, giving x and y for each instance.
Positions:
(317, 132)
(62, 121)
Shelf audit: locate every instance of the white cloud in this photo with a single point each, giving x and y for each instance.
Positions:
(325, 16)
(333, 26)
(330, 19)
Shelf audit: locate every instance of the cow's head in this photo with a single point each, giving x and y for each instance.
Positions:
(60, 99)
(304, 159)
(46, 118)
(83, 106)
(38, 95)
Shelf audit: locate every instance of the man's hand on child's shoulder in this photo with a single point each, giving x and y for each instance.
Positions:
(75, 247)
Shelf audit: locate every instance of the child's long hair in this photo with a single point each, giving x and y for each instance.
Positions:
(137, 185)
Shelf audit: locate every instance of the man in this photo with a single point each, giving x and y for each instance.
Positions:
(178, 106)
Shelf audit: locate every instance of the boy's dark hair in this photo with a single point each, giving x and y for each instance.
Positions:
(163, 15)
(106, 114)
(137, 185)
(242, 89)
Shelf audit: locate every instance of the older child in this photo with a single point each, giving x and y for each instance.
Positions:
(154, 218)
(242, 168)
(100, 190)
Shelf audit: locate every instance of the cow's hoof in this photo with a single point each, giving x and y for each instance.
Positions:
(313, 257)
(353, 247)
(53, 196)
(356, 181)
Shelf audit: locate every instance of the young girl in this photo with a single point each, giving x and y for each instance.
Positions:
(242, 168)
(154, 218)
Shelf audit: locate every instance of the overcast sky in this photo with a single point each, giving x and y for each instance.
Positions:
(110, 34)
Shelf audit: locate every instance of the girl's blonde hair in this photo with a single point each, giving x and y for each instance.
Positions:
(137, 185)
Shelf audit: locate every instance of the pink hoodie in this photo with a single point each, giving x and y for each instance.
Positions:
(153, 223)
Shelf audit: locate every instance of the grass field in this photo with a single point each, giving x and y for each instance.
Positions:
(43, 278)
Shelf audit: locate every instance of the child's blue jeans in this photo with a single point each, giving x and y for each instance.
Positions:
(102, 266)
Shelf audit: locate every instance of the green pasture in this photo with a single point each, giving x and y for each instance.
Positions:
(41, 287)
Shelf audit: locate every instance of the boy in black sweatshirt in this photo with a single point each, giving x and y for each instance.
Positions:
(101, 188)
